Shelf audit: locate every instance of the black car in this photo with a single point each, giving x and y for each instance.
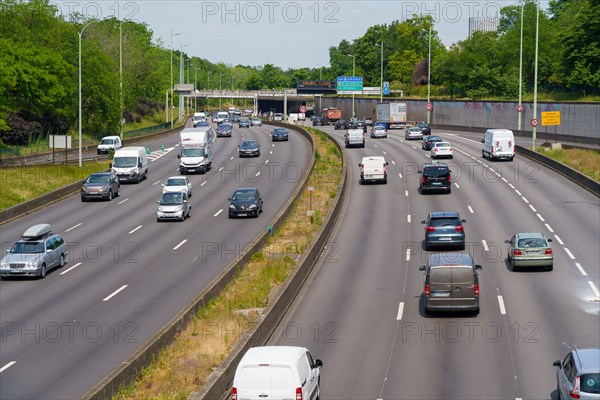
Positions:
(249, 148)
(101, 186)
(279, 134)
(340, 124)
(428, 142)
(244, 123)
(444, 229)
(245, 202)
(224, 129)
(359, 125)
(436, 176)
(235, 117)
(425, 129)
(318, 121)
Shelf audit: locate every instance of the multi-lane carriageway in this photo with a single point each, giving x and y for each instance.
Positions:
(128, 275)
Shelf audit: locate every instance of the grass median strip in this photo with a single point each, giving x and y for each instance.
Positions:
(585, 161)
(182, 368)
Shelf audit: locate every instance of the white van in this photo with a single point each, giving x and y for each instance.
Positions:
(277, 373)
(373, 169)
(222, 116)
(109, 143)
(355, 137)
(196, 149)
(498, 144)
(130, 164)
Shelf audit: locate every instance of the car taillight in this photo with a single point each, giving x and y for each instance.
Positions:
(427, 290)
(450, 148)
(459, 228)
(517, 252)
(299, 393)
(435, 149)
(476, 288)
(449, 178)
(362, 169)
(430, 228)
(492, 149)
(422, 179)
(234, 394)
(574, 394)
(548, 251)
(384, 169)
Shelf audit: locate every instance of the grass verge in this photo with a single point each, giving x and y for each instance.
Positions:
(20, 184)
(182, 368)
(585, 161)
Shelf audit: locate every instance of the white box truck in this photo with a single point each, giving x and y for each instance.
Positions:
(130, 164)
(196, 152)
(392, 114)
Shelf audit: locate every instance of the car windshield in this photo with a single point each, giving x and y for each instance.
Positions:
(380, 128)
(249, 143)
(171, 199)
(224, 127)
(107, 141)
(256, 119)
(436, 171)
(532, 242)
(193, 152)
(422, 125)
(27, 248)
(124, 162)
(280, 131)
(98, 179)
(446, 221)
(242, 195)
(175, 182)
(434, 139)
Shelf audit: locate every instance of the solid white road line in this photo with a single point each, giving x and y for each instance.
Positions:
(456, 184)
(540, 217)
(114, 293)
(485, 245)
(73, 227)
(408, 218)
(517, 192)
(558, 239)
(501, 304)
(581, 269)
(549, 228)
(594, 288)
(407, 254)
(471, 210)
(180, 244)
(532, 208)
(131, 231)
(525, 200)
(203, 183)
(218, 212)
(7, 366)
(73, 267)
(406, 193)
(123, 201)
(571, 256)
(156, 183)
(400, 311)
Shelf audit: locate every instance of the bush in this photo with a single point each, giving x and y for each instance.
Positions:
(20, 131)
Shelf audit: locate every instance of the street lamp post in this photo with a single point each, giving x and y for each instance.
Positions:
(196, 88)
(520, 109)
(121, 79)
(220, 94)
(181, 77)
(353, 75)
(171, 89)
(381, 76)
(208, 88)
(535, 74)
(429, 79)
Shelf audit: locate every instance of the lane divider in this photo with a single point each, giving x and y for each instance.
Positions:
(110, 296)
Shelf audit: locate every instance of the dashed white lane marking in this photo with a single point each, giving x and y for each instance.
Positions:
(511, 185)
(203, 183)
(406, 193)
(525, 199)
(155, 183)
(571, 256)
(7, 366)
(558, 239)
(231, 158)
(408, 218)
(471, 209)
(407, 254)
(375, 145)
(485, 245)
(580, 268)
(218, 212)
(220, 169)
(413, 147)
(257, 174)
(517, 192)
(501, 304)
(123, 201)
(131, 231)
(505, 180)
(73, 227)
(594, 288)
(273, 145)
(549, 228)
(427, 155)
(384, 153)
(271, 152)
(266, 161)
(532, 208)
(400, 311)
(180, 244)
(400, 176)
(110, 296)
(73, 267)
(393, 162)
(456, 184)
(540, 217)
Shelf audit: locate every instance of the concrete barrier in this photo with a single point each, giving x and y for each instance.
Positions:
(219, 382)
(130, 368)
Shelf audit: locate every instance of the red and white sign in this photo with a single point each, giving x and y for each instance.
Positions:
(520, 108)
(311, 188)
(534, 122)
(303, 109)
(429, 106)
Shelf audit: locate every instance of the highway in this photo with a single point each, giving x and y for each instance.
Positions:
(128, 275)
(361, 311)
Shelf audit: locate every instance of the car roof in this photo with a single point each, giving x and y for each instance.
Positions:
(530, 235)
(273, 355)
(111, 137)
(373, 158)
(588, 360)
(450, 258)
(435, 164)
(444, 214)
(176, 177)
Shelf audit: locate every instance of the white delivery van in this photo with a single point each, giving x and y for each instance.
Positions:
(198, 116)
(498, 144)
(196, 153)
(221, 116)
(355, 137)
(277, 373)
(373, 169)
(109, 143)
(130, 164)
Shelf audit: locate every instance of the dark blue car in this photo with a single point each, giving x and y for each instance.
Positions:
(245, 202)
(279, 134)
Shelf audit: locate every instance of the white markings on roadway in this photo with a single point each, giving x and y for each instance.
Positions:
(73, 227)
(266, 161)
(511, 185)
(393, 162)
(7, 366)
(581, 269)
(501, 304)
(549, 228)
(271, 152)
(540, 217)
(485, 245)
(400, 311)
(273, 145)
(156, 183)
(456, 184)
(180, 244)
(384, 153)
(525, 200)
(73, 267)
(571, 256)
(414, 147)
(517, 192)
(114, 293)
(220, 169)
(471, 210)
(504, 179)
(532, 208)
(594, 288)
(408, 218)
(375, 145)
(400, 176)
(407, 254)
(406, 193)
(123, 201)
(231, 158)
(203, 183)
(218, 212)
(559, 240)
(131, 231)
(427, 155)
(257, 174)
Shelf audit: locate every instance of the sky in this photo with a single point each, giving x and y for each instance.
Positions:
(288, 34)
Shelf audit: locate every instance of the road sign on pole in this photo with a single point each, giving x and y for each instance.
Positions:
(386, 88)
(429, 106)
(550, 118)
(520, 108)
(534, 122)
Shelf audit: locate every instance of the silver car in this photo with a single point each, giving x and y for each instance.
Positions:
(413, 133)
(101, 186)
(178, 184)
(578, 375)
(530, 250)
(173, 206)
(36, 253)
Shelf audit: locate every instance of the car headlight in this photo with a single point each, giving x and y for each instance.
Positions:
(31, 264)
(231, 207)
(84, 189)
(3, 264)
(252, 206)
(160, 209)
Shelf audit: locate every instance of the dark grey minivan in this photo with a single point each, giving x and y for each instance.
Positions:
(451, 283)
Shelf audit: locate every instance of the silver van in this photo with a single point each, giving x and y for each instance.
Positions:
(451, 283)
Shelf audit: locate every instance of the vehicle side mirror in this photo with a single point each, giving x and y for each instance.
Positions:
(8, 251)
(477, 266)
(140, 165)
(318, 363)
(557, 363)
(422, 268)
(157, 202)
(507, 241)
(387, 163)
(163, 185)
(464, 221)
(229, 198)
(110, 165)
(423, 221)
(419, 172)
(359, 164)
(178, 155)
(549, 240)
(482, 140)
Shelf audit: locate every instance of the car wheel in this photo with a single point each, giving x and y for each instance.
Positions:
(427, 311)
(61, 261)
(110, 196)
(157, 219)
(43, 271)
(83, 199)
(118, 191)
(514, 267)
(482, 154)
(476, 311)
(550, 267)
(449, 190)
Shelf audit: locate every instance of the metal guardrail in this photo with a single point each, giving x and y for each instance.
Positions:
(148, 130)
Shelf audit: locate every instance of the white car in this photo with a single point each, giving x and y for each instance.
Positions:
(109, 143)
(178, 184)
(413, 133)
(441, 149)
(379, 131)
